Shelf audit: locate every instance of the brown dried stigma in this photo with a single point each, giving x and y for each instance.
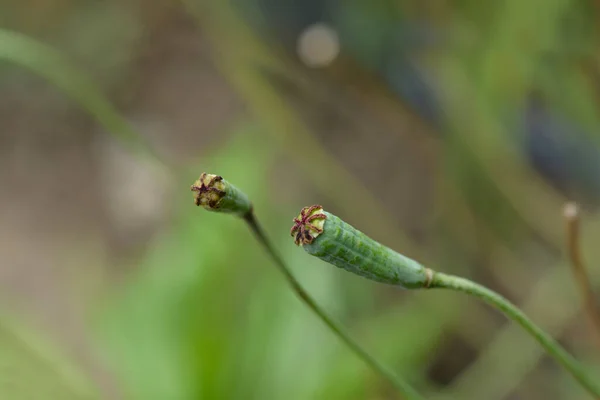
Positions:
(208, 190)
(304, 230)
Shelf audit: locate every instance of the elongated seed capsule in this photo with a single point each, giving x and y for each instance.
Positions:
(216, 194)
(326, 236)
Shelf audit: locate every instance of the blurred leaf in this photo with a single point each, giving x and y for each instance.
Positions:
(50, 64)
(33, 368)
(178, 285)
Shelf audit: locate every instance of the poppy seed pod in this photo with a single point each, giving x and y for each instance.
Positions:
(214, 193)
(326, 236)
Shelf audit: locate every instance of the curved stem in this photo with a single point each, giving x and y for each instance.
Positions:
(553, 348)
(406, 390)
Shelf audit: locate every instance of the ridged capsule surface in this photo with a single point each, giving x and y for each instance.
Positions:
(346, 247)
(235, 201)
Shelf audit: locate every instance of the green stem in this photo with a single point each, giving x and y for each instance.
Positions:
(441, 280)
(405, 389)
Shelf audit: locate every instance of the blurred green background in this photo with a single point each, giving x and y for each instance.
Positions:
(451, 131)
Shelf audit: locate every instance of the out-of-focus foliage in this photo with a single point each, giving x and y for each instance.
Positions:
(47, 63)
(33, 369)
(452, 132)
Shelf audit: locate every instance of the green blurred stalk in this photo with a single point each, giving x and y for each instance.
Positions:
(48, 63)
(31, 365)
(441, 280)
(403, 387)
(511, 356)
(216, 194)
(329, 238)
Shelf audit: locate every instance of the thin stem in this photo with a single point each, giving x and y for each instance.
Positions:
(405, 389)
(571, 214)
(553, 348)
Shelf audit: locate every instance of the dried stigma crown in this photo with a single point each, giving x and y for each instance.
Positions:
(308, 225)
(344, 246)
(214, 193)
(209, 189)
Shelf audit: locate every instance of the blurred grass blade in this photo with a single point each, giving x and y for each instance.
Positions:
(166, 333)
(48, 63)
(32, 368)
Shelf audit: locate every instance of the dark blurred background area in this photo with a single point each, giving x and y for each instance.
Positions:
(452, 131)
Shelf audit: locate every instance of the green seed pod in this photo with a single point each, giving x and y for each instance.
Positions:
(326, 236)
(216, 194)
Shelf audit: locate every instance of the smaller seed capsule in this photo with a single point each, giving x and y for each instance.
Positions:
(326, 236)
(214, 193)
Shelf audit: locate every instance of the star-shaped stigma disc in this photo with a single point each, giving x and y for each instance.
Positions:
(308, 225)
(209, 190)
